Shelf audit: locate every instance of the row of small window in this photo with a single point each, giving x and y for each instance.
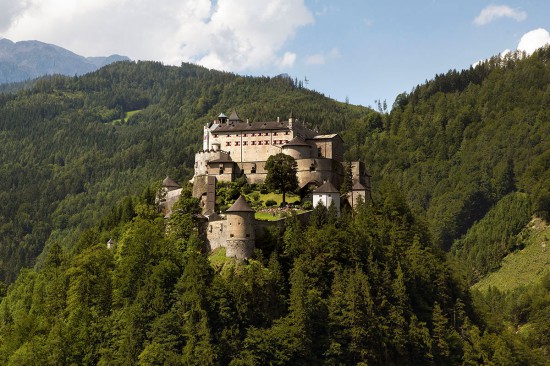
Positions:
(255, 134)
(266, 142)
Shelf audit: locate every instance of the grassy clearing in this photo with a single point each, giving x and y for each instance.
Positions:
(526, 266)
(128, 115)
(218, 259)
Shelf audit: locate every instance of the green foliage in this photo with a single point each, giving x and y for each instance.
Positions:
(363, 289)
(489, 240)
(281, 173)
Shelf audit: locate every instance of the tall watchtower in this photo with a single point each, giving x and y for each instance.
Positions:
(240, 226)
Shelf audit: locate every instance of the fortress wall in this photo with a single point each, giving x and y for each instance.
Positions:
(252, 146)
(203, 157)
(239, 248)
(216, 232)
(200, 185)
(325, 170)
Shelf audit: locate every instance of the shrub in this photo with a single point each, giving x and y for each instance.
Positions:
(308, 205)
(270, 203)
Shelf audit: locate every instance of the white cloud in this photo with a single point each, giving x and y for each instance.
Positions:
(492, 12)
(233, 35)
(322, 58)
(534, 39)
(9, 11)
(287, 60)
(317, 59)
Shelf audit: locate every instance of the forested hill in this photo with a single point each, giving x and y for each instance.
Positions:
(72, 147)
(468, 146)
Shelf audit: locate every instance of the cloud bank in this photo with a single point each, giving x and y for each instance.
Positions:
(533, 40)
(493, 12)
(232, 35)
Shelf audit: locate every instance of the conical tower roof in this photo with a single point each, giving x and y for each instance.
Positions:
(296, 141)
(234, 117)
(240, 205)
(358, 187)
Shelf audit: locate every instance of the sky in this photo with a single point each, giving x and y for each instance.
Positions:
(350, 50)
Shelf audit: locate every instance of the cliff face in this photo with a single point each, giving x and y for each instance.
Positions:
(30, 59)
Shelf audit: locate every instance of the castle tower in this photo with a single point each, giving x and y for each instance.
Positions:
(298, 148)
(240, 230)
(358, 193)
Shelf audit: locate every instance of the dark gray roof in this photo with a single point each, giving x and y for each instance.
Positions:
(358, 187)
(326, 188)
(240, 205)
(170, 183)
(252, 126)
(297, 141)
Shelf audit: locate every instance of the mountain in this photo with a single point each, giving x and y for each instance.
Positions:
(30, 59)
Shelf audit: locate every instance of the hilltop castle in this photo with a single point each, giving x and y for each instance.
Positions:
(233, 148)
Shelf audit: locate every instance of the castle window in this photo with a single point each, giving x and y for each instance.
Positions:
(228, 143)
(266, 134)
(221, 168)
(253, 134)
(236, 143)
(231, 235)
(274, 133)
(245, 143)
(287, 132)
(286, 141)
(244, 134)
(266, 142)
(215, 135)
(253, 142)
(253, 169)
(319, 152)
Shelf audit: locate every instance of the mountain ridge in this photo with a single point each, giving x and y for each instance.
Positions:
(26, 60)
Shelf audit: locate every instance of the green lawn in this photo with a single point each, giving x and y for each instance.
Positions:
(523, 267)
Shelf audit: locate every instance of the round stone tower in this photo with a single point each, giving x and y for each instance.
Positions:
(240, 230)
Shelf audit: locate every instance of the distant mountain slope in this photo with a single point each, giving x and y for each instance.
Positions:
(30, 59)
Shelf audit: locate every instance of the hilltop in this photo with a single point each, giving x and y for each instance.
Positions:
(26, 60)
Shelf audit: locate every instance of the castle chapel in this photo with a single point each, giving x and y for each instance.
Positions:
(233, 148)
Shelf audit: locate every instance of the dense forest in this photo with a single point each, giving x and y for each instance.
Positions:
(363, 289)
(460, 165)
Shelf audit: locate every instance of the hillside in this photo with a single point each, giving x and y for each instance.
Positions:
(72, 147)
(524, 267)
(31, 59)
(462, 142)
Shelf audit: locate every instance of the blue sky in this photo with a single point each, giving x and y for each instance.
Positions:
(361, 50)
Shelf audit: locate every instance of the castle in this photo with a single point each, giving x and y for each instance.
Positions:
(233, 148)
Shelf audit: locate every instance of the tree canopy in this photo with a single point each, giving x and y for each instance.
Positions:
(281, 173)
